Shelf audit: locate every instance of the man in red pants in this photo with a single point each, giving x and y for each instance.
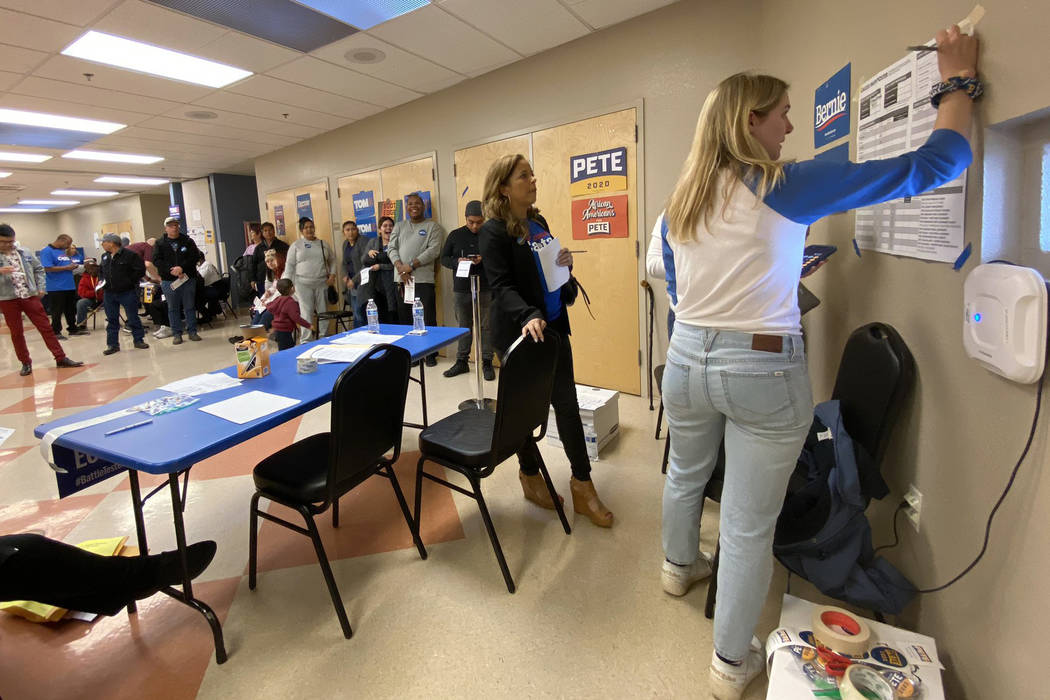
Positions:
(22, 283)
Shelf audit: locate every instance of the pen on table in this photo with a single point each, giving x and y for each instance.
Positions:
(923, 48)
(128, 427)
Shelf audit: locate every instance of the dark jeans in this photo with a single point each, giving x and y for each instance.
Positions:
(111, 302)
(62, 303)
(360, 310)
(567, 417)
(59, 574)
(179, 300)
(465, 316)
(426, 293)
(262, 318)
(284, 339)
(84, 307)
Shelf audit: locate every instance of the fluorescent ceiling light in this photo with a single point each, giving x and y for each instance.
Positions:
(24, 157)
(4, 174)
(21, 210)
(55, 121)
(144, 58)
(85, 193)
(111, 157)
(364, 14)
(122, 180)
(49, 202)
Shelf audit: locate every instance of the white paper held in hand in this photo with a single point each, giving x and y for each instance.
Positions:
(179, 282)
(463, 270)
(366, 274)
(410, 291)
(554, 274)
(100, 285)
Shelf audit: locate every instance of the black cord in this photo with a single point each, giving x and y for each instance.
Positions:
(1002, 497)
(896, 535)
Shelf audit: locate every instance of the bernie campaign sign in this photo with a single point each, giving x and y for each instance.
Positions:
(831, 109)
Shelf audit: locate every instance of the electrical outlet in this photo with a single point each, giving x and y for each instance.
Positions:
(914, 508)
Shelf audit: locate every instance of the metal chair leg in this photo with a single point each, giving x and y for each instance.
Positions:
(712, 588)
(253, 542)
(335, 513)
(412, 525)
(554, 495)
(326, 570)
(667, 452)
(659, 420)
(475, 483)
(419, 492)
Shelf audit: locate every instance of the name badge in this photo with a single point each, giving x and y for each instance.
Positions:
(410, 291)
(422, 232)
(365, 275)
(464, 268)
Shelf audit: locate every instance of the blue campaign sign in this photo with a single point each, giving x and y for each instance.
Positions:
(835, 154)
(303, 206)
(365, 213)
(367, 227)
(831, 108)
(81, 470)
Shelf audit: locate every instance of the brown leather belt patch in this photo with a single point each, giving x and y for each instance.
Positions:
(767, 343)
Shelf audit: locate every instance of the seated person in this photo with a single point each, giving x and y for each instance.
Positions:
(33, 567)
(209, 291)
(90, 297)
(285, 310)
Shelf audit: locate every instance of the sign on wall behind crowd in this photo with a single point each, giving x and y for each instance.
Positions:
(589, 175)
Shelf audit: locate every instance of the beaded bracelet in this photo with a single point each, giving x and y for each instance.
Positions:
(973, 87)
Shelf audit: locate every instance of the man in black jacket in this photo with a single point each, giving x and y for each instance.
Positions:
(175, 257)
(121, 271)
(269, 241)
(462, 246)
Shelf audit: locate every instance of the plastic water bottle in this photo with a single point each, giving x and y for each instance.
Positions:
(372, 312)
(417, 317)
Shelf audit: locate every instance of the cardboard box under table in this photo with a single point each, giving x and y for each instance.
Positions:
(600, 413)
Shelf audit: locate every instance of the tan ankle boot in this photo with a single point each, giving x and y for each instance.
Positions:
(535, 490)
(585, 501)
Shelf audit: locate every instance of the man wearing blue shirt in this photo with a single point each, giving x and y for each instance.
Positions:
(61, 289)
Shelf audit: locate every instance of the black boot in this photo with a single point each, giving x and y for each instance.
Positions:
(461, 367)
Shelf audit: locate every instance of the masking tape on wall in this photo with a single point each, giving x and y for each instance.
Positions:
(841, 631)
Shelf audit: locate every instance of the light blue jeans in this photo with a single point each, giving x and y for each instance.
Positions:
(717, 387)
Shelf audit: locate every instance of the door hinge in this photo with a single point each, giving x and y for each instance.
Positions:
(636, 133)
(267, 206)
(326, 195)
(432, 175)
(339, 192)
(637, 249)
(454, 170)
(639, 357)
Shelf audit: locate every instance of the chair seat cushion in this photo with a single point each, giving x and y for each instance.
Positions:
(464, 438)
(296, 473)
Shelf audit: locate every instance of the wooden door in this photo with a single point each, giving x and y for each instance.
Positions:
(319, 212)
(607, 348)
(472, 164)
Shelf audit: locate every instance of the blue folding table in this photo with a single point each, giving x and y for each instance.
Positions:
(174, 442)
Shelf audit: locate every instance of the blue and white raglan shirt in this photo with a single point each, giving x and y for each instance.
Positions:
(538, 238)
(742, 272)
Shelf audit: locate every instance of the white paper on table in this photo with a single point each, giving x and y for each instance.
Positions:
(335, 353)
(463, 270)
(179, 282)
(201, 384)
(5, 433)
(410, 291)
(365, 275)
(554, 274)
(366, 338)
(248, 407)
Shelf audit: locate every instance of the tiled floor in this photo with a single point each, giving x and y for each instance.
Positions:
(588, 620)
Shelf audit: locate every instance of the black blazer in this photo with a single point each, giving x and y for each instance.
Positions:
(517, 292)
(121, 270)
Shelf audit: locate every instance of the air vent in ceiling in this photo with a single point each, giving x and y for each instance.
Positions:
(12, 188)
(364, 55)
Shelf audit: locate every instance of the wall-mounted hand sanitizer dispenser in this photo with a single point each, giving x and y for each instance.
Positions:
(1006, 317)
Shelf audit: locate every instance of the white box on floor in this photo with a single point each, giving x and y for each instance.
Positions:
(600, 414)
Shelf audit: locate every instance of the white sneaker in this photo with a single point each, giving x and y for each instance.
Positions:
(728, 682)
(163, 332)
(125, 329)
(677, 580)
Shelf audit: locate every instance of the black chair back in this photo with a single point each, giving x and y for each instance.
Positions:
(523, 399)
(368, 409)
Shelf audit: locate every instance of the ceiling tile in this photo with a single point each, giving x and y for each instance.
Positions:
(20, 60)
(66, 109)
(80, 12)
(400, 67)
(526, 27)
(158, 135)
(89, 94)
(322, 75)
(245, 104)
(267, 87)
(196, 127)
(72, 70)
(605, 13)
(158, 26)
(7, 80)
(31, 32)
(247, 52)
(436, 35)
(234, 120)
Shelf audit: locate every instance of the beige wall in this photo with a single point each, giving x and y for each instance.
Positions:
(154, 211)
(964, 427)
(196, 196)
(82, 222)
(33, 231)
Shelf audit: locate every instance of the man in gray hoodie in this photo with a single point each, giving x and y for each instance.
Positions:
(414, 247)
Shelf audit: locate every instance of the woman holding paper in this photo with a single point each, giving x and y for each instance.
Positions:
(515, 242)
(384, 286)
(736, 366)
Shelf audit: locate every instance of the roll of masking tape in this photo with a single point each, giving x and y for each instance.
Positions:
(840, 631)
(862, 683)
(306, 365)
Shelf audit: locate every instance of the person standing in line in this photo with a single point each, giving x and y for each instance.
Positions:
(254, 238)
(414, 247)
(311, 268)
(22, 284)
(121, 272)
(522, 305)
(176, 258)
(736, 365)
(61, 299)
(461, 246)
(355, 250)
(384, 286)
(269, 241)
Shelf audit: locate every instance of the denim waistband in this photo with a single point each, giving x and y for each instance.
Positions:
(711, 338)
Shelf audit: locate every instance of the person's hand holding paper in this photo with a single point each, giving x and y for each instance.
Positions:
(555, 274)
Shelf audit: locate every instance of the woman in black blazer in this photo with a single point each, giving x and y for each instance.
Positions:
(522, 305)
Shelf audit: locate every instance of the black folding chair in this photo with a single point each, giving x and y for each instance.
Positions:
(309, 476)
(344, 318)
(474, 442)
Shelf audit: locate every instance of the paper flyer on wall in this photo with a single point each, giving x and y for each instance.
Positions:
(895, 116)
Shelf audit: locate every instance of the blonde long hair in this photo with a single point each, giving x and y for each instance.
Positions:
(496, 205)
(723, 142)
